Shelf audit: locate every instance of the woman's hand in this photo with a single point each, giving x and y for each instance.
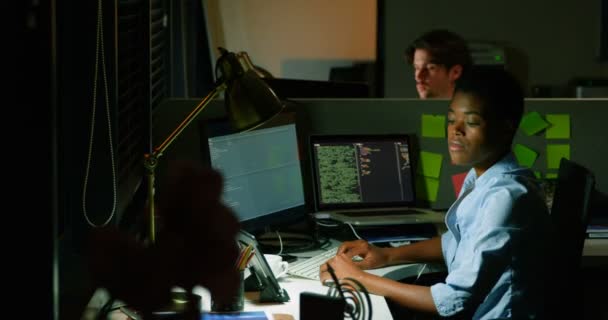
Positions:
(343, 267)
(372, 256)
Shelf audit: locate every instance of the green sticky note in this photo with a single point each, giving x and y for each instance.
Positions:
(555, 152)
(430, 164)
(537, 174)
(525, 156)
(551, 175)
(433, 126)
(532, 122)
(559, 126)
(427, 188)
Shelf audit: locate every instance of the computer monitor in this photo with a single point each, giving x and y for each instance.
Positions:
(261, 170)
(362, 171)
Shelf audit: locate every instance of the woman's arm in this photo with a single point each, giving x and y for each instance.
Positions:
(423, 251)
(376, 257)
(410, 296)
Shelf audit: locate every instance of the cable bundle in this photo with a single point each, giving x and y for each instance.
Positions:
(358, 304)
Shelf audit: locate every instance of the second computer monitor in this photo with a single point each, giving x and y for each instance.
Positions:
(261, 170)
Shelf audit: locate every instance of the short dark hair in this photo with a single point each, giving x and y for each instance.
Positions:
(498, 90)
(445, 47)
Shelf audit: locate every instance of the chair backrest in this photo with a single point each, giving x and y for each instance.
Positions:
(569, 218)
(571, 207)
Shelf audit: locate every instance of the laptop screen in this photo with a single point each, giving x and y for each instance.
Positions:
(362, 171)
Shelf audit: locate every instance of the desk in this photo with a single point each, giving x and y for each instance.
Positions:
(294, 286)
(594, 248)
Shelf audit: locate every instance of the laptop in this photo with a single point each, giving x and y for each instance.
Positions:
(366, 180)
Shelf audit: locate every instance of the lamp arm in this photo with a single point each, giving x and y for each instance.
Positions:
(151, 159)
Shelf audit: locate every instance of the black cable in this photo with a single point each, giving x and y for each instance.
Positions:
(339, 288)
(357, 299)
(365, 293)
(312, 244)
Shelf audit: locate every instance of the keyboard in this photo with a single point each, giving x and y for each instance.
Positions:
(309, 268)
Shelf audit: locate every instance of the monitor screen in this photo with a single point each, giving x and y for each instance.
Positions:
(261, 170)
(362, 171)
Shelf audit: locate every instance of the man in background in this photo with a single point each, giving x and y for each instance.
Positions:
(439, 58)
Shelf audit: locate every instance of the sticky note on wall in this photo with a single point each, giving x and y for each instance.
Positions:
(427, 188)
(555, 152)
(559, 126)
(430, 164)
(525, 156)
(433, 126)
(532, 123)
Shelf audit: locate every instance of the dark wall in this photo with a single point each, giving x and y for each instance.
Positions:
(551, 42)
(30, 157)
(604, 32)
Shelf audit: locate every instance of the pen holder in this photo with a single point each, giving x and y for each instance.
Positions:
(236, 303)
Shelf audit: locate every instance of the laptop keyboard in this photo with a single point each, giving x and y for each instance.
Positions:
(309, 268)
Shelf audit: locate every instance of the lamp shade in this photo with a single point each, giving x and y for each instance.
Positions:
(250, 102)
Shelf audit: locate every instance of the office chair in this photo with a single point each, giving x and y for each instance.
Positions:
(569, 218)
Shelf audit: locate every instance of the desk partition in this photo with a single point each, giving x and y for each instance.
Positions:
(575, 126)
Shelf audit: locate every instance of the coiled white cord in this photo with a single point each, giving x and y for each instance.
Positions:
(354, 232)
(280, 242)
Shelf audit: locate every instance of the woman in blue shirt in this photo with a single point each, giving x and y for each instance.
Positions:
(494, 243)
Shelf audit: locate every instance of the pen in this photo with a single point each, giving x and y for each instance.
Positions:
(248, 254)
(248, 260)
(243, 256)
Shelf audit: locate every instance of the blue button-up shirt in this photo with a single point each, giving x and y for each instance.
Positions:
(493, 248)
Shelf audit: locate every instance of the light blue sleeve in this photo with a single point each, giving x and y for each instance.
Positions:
(482, 253)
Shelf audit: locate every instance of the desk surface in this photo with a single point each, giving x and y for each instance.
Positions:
(294, 286)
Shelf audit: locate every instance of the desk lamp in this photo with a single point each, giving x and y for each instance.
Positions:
(249, 102)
